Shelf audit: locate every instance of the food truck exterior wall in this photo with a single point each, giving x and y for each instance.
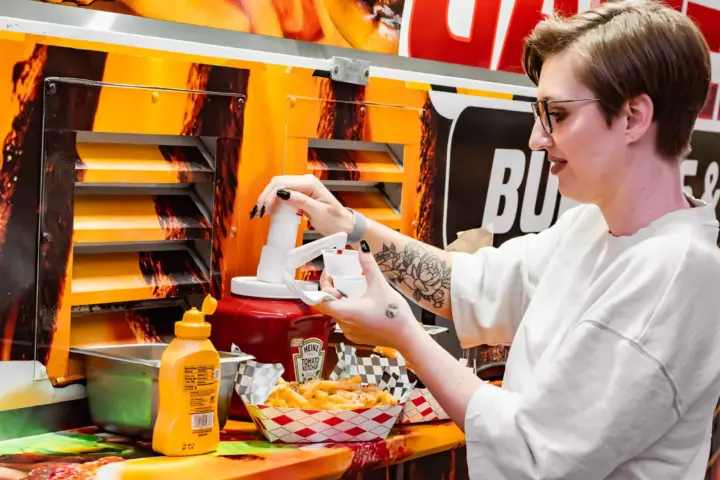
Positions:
(463, 134)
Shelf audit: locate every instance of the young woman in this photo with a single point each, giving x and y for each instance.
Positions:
(613, 312)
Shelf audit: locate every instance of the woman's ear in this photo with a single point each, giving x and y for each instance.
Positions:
(639, 112)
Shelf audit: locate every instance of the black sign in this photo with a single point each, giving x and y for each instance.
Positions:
(494, 177)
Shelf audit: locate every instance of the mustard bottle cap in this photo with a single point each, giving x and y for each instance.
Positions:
(193, 324)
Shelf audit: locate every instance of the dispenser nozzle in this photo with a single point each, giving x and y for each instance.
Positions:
(301, 255)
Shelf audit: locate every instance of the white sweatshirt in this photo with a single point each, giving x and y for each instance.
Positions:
(614, 370)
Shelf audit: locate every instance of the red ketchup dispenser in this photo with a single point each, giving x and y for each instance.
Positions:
(266, 318)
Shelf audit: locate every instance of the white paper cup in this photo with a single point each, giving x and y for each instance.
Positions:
(343, 264)
(351, 286)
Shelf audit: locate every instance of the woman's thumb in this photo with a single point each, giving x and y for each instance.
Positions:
(369, 265)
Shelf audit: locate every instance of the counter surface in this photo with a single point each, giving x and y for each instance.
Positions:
(243, 453)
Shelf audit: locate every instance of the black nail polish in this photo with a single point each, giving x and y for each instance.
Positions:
(254, 212)
(364, 246)
(342, 293)
(262, 211)
(284, 194)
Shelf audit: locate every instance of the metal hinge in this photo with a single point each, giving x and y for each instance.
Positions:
(349, 70)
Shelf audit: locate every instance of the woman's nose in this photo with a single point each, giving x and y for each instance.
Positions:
(539, 138)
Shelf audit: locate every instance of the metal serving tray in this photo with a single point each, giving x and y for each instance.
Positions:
(122, 385)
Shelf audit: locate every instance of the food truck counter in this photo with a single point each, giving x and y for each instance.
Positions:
(433, 450)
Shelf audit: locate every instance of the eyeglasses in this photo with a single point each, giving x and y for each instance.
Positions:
(541, 110)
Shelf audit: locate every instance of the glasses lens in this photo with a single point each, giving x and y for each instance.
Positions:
(544, 116)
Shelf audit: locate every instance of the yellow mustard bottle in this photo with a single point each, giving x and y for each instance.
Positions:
(188, 385)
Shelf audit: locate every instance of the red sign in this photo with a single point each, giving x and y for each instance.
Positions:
(429, 35)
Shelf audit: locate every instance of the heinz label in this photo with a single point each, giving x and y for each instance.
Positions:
(308, 357)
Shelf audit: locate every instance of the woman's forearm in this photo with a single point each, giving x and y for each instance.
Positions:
(419, 271)
(452, 384)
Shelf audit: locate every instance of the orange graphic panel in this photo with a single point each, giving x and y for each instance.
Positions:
(306, 20)
(373, 205)
(113, 218)
(307, 116)
(153, 112)
(58, 351)
(372, 26)
(266, 134)
(413, 189)
(125, 277)
(112, 328)
(384, 91)
(261, 158)
(357, 165)
(222, 14)
(128, 163)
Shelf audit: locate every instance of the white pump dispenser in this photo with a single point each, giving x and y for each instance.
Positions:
(279, 260)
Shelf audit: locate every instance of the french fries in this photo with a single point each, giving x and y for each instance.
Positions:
(388, 352)
(328, 395)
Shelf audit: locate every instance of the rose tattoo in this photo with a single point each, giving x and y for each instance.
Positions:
(424, 274)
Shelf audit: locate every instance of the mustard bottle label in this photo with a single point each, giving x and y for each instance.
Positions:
(201, 384)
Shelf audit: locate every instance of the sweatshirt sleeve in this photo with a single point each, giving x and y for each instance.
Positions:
(581, 419)
(491, 289)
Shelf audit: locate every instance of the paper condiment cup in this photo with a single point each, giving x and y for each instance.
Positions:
(342, 263)
(351, 286)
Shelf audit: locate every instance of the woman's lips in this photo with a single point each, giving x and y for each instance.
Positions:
(558, 165)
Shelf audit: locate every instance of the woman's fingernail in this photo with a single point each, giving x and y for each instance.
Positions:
(284, 194)
(342, 293)
(254, 212)
(364, 246)
(262, 211)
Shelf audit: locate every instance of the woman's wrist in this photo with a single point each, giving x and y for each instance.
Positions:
(359, 227)
(409, 335)
(347, 221)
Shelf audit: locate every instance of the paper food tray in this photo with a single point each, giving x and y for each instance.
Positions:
(255, 381)
(422, 407)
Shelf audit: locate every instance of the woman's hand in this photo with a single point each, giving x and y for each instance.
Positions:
(306, 193)
(381, 316)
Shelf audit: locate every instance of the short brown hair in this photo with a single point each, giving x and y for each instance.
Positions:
(629, 49)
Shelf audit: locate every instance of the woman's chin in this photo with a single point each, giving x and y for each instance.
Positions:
(572, 191)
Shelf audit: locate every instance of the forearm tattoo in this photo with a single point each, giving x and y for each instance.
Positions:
(426, 276)
(392, 310)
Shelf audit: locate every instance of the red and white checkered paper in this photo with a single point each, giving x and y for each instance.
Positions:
(422, 407)
(255, 381)
(295, 425)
